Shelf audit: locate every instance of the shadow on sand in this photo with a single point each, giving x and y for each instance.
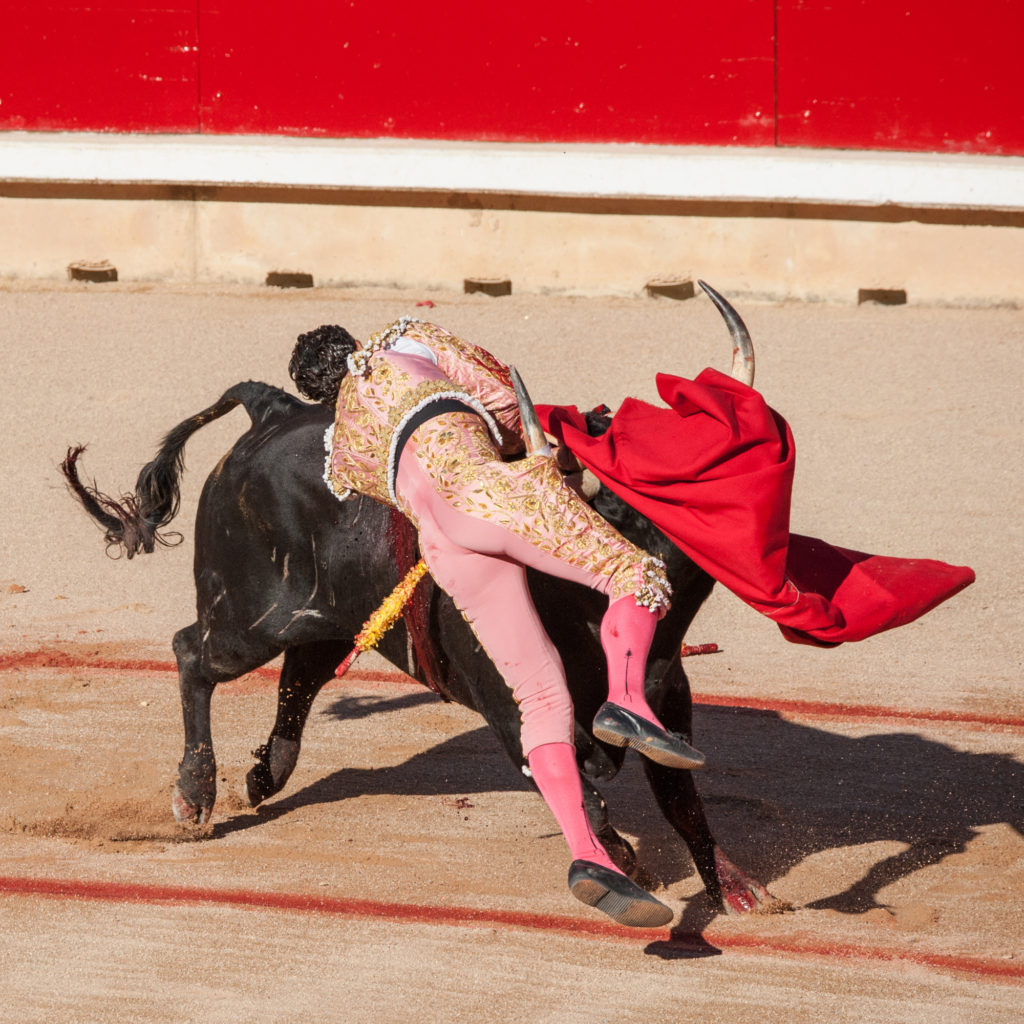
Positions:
(776, 792)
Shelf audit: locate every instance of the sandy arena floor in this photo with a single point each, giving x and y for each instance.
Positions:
(409, 873)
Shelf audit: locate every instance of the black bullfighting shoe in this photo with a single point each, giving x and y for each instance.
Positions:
(616, 725)
(616, 895)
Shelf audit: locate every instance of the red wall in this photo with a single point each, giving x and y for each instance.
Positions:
(881, 74)
(547, 69)
(864, 73)
(99, 65)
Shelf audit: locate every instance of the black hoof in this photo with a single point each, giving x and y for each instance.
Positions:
(188, 811)
(259, 783)
(274, 766)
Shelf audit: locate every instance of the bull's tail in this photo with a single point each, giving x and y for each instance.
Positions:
(136, 521)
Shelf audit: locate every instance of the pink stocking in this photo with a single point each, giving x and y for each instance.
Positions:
(627, 630)
(554, 770)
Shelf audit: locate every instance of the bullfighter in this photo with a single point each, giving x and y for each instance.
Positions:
(426, 422)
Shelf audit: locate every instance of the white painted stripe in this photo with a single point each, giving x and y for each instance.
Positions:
(844, 177)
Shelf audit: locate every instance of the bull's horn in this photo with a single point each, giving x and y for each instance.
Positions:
(533, 432)
(742, 347)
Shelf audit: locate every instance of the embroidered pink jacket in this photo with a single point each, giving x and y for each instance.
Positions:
(372, 409)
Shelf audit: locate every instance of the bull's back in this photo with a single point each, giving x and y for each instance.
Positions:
(269, 532)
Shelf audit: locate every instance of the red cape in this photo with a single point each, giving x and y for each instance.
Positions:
(714, 472)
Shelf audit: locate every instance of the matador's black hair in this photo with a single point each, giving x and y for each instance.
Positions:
(318, 362)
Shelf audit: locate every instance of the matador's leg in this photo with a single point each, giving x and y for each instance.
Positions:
(492, 594)
(524, 512)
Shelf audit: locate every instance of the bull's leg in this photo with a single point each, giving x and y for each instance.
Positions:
(620, 851)
(305, 670)
(196, 789)
(728, 887)
(676, 794)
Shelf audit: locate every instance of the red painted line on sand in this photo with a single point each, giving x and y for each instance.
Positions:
(121, 892)
(13, 660)
(822, 709)
(986, 967)
(712, 939)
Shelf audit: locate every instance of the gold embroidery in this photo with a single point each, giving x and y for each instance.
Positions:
(413, 396)
(376, 396)
(530, 499)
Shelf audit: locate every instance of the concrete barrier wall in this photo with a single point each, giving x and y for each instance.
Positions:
(586, 249)
(582, 220)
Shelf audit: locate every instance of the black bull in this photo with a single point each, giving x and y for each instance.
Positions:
(282, 566)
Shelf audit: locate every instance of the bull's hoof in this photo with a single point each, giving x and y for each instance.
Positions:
(754, 900)
(275, 763)
(187, 812)
(742, 894)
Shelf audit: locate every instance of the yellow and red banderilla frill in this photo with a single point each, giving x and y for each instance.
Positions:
(384, 617)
